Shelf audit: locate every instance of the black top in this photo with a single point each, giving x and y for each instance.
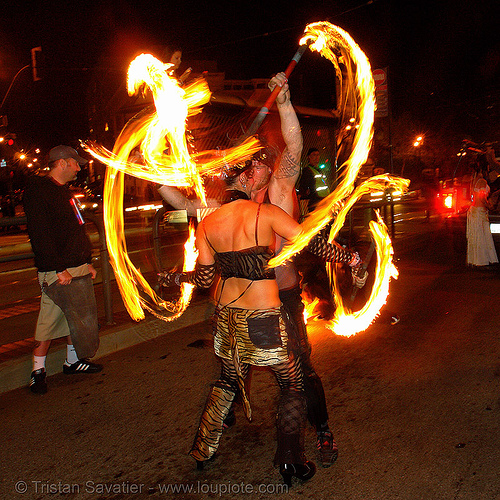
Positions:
(55, 227)
(248, 263)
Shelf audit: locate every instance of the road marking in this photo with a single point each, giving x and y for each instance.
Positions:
(18, 310)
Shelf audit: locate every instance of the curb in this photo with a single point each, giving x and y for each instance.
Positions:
(15, 372)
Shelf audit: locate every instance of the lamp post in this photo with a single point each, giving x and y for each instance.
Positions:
(12, 83)
(416, 144)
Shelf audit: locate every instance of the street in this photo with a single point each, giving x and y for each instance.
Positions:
(18, 280)
(20, 290)
(414, 407)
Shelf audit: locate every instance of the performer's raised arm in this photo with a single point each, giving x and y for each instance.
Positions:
(181, 202)
(287, 168)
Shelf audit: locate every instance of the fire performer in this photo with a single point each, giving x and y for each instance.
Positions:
(274, 178)
(252, 328)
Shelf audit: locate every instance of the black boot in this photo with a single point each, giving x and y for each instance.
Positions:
(303, 471)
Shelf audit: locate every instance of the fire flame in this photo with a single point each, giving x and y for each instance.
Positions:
(348, 323)
(309, 309)
(329, 40)
(190, 257)
(164, 159)
(338, 46)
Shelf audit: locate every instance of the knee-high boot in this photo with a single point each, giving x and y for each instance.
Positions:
(209, 431)
(290, 425)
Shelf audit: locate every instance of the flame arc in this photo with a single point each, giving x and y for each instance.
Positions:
(338, 46)
(347, 323)
(164, 159)
(329, 41)
(180, 168)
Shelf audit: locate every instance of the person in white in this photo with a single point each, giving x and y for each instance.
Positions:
(480, 246)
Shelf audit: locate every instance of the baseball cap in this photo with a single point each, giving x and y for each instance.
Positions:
(64, 152)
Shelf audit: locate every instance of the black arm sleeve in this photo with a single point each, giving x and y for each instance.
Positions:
(329, 252)
(202, 277)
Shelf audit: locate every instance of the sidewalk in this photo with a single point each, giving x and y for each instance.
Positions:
(16, 358)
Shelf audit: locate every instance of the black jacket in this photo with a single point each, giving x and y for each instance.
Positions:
(57, 236)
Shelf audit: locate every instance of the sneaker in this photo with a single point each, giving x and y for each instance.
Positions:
(327, 447)
(38, 385)
(81, 366)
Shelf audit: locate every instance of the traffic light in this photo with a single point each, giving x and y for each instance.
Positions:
(8, 139)
(37, 63)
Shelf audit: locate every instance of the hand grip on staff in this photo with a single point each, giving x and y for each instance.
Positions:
(361, 272)
(257, 122)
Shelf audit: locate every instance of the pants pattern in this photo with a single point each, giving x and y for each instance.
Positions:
(290, 419)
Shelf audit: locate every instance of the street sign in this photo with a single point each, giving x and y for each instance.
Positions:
(379, 77)
(381, 93)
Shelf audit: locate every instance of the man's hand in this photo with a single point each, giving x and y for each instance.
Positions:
(185, 75)
(356, 260)
(359, 281)
(92, 271)
(64, 277)
(282, 81)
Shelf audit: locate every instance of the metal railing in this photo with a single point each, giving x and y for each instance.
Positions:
(157, 219)
(105, 267)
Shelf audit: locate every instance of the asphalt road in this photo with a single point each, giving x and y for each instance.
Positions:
(20, 291)
(414, 407)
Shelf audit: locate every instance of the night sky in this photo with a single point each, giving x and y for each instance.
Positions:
(443, 57)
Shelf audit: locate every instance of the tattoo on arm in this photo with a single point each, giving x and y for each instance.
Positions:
(289, 166)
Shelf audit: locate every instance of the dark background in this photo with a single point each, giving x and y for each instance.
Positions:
(443, 57)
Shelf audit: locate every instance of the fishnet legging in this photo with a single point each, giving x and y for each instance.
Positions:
(291, 409)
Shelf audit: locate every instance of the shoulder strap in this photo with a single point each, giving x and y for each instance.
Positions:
(206, 237)
(257, 225)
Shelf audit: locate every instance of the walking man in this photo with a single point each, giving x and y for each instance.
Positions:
(63, 256)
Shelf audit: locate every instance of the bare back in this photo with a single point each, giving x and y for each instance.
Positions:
(241, 225)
